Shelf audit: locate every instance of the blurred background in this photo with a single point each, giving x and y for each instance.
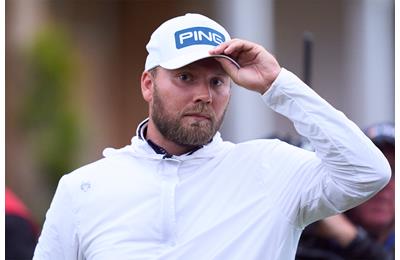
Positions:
(73, 72)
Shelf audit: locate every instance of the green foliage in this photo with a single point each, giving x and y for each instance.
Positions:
(48, 115)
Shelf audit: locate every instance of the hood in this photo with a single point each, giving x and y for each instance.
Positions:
(140, 148)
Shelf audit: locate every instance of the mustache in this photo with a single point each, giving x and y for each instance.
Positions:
(200, 109)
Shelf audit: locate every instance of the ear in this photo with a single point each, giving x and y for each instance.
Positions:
(147, 86)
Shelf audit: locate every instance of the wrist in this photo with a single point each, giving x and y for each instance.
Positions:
(360, 237)
(347, 235)
(270, 81)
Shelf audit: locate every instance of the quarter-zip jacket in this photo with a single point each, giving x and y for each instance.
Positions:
(225, 201)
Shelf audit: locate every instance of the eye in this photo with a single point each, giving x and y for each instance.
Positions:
(185, 77)
(217, 82)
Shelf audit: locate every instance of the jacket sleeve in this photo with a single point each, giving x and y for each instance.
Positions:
(58, 239)
(350, 168)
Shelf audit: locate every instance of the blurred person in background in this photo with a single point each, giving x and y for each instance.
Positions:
(365, 232)
(21, 232)
(178, 191)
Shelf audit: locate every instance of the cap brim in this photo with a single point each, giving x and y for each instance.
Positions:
(187, 59)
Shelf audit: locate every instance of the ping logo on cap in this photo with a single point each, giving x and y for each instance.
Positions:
(198, 35)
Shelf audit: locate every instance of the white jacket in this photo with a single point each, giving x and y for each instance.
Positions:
(225, 201)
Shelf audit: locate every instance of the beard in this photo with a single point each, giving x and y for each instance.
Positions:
(173, 128)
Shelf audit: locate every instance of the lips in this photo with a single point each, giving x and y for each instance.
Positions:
(199, 115)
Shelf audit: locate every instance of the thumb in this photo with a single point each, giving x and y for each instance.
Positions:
(230, 68)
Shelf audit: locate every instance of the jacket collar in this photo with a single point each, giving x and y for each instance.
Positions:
(141, 133)
(140, 148)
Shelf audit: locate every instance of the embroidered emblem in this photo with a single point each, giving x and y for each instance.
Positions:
(85, 186)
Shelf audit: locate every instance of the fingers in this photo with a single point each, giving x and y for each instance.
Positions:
(258, 68)
(232, 47)
(238, 46)
(228, 67)
(243, 52)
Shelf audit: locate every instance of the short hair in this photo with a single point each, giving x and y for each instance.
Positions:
(153, 72)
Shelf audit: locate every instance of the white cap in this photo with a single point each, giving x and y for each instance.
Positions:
(183, 40)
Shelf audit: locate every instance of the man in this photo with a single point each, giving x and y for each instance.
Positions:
(364, 232)
(180, 192)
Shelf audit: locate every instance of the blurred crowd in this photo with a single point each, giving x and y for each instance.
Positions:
(21, 231)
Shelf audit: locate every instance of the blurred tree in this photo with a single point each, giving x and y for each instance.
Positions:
(48, 116)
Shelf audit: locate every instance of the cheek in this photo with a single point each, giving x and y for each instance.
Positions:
(222, 97)
(221, 103)
(177, 105)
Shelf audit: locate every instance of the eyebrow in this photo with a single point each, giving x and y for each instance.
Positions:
(189, 68)
(223, 73)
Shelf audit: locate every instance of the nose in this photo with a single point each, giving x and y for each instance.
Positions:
(203, 93)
